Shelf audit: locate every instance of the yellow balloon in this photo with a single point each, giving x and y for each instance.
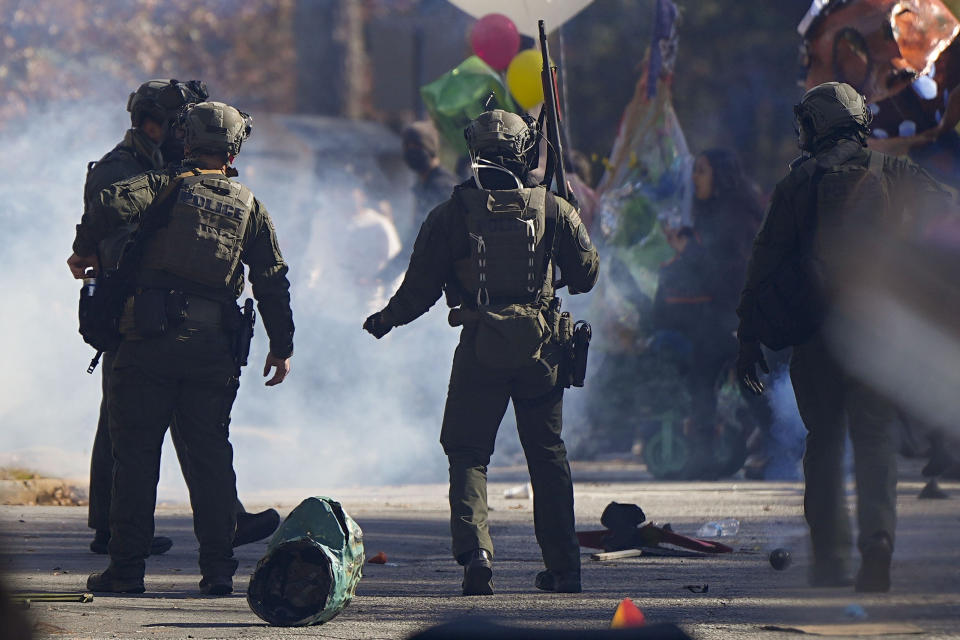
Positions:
(523, 78)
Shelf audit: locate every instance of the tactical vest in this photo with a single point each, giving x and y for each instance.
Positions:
(507, 248)
(852, 204)
(204, 238)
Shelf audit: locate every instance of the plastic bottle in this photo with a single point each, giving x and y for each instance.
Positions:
(720, 528)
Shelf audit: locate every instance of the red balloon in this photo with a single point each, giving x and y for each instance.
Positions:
(495, 40)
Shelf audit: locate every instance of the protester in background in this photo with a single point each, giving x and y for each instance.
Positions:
(370, 242)
(726, 216)
(421, 149)
(580, 177)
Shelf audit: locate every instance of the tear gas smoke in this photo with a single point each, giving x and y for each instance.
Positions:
(353, 411)
(787, 435)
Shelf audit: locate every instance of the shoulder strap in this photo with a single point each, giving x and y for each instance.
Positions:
(875, 165)
(154, 217)
(552, 211)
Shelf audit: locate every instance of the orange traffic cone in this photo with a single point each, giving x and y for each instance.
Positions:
(627, 615)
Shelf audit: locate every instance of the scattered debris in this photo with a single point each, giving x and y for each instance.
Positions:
(861, 629)
(697, 588)
(519, 492)
(719, 529)
(780, 559)
(39, 596)
(855, 612)
(627, 615)
(380, 558)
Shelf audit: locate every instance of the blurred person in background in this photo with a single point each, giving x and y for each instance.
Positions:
(153, 142)
(370, 242)
(434, 184)
(178, 363)
(840, 206)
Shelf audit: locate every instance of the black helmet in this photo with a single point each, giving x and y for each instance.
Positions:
(503, 140)
(214, 127)
(161, 100)
(830, 109)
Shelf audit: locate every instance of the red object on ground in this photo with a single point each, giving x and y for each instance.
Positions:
(380, 558)
(627, 615)
(495, 39)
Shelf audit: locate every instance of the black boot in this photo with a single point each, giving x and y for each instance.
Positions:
(108, 582)
(255, 526)
(158, 546)
(874, 574)
(932, 491)
(477, 573)
(829, 574)
(558, 581)
(216, 585)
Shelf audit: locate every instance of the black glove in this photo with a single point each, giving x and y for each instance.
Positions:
(749, 356)
(376, 326)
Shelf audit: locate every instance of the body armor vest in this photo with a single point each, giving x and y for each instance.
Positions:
(852, 205)
(204, 238)
(507, 247)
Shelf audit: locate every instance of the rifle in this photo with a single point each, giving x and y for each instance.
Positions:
(551, 105)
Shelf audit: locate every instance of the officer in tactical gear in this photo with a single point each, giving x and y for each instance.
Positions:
(838, 198)
(176, 364)
(146, 146)
(154, 141)
(493, 246)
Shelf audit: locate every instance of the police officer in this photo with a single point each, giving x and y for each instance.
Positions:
(837, 200)
(152, 108)
(493, 245)
(175, 362)
(154, 141)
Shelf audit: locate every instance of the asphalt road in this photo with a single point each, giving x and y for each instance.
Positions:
(45, 549)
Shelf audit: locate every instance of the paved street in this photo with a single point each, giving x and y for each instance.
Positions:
(45, 549)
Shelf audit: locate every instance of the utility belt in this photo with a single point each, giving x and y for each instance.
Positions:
(153, 312)
(512, 336)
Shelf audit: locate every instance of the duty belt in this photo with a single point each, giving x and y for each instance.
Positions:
(203, 310)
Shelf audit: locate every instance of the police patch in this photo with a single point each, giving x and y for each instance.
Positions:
(583, 238)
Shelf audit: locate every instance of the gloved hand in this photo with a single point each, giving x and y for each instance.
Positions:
(749, 356)
(376, 326)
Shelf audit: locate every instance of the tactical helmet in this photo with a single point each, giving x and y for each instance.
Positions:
(503, 141)
(214, 127)
(162, 99)
(830, 108)
(501, 133)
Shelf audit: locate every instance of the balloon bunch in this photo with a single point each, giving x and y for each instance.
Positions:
(496, 41)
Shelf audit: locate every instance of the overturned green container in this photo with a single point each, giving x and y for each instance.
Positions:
(313, 565)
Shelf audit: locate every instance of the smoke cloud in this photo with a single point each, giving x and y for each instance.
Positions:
(353, 411)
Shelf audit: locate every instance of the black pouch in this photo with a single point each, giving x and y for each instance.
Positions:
(176, 304)
(150, 312)
(578, 349)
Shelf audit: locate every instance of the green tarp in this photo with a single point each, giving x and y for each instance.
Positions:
(312, 567)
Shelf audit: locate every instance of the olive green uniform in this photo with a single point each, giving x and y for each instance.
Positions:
(186, 375)
(134, 155)
(478, 393)
(832, 401)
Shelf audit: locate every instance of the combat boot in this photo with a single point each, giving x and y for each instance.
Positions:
(255, 526)
(558, 581)
(477, 573)
(874, 574)
(216, 585)
(829, 574)
(109, 582)
(158, 546)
